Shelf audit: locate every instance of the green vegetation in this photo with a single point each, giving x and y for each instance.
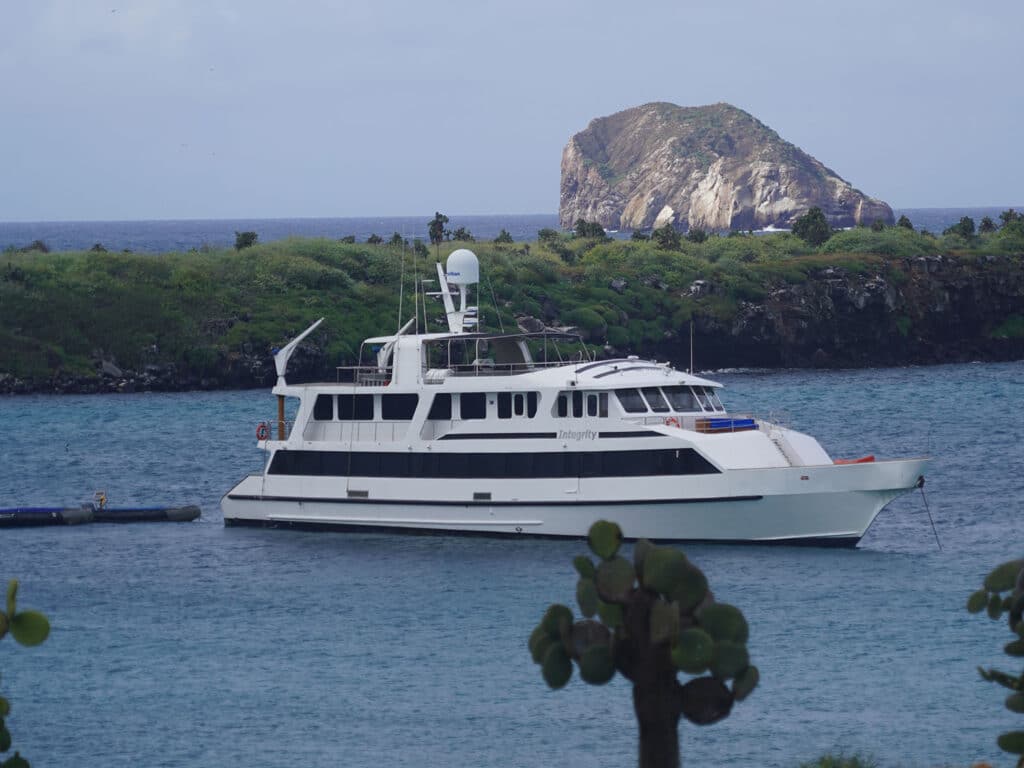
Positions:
(1008, 577)
(28, 628)
(841, 761)
(656, 618)
(213, 310)
(242, 240)
(813, 227)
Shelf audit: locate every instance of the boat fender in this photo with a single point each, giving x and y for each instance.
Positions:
(672, 421)
(262, 431)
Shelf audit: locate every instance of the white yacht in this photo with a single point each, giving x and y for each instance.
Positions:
(476, 433)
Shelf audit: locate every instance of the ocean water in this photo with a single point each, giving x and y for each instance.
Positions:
(195, 644)
(171, 235)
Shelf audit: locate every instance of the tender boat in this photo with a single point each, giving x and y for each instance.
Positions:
(480, 433)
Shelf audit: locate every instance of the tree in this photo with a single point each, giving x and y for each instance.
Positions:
(1008, 577)
(697, 235)
(813, 228)
(639, 234)
(964, 228)
(28, 628)
(98, 248)
(1009, 216)
(244, 240)
(504, 237)
(987, 225)
(397, 240)
(588, 229)
(374, 239)
(877, 225)
(666, 238)
(905, 223)
(464, 235)
(436, 228)
(347, 239)
(656, 618)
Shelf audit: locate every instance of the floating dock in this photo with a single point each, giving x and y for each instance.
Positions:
(17, 517)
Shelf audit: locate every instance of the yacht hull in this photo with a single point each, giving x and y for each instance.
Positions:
(827, 504)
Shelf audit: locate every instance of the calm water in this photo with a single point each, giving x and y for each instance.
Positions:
(170, 235)
(192, 644)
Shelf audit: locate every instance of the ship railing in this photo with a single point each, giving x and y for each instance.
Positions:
(277, 429)
(363, 375)
(490, 368)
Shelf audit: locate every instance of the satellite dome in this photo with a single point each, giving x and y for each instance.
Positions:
(463, 267)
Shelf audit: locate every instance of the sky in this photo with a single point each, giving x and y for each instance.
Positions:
(178, 109)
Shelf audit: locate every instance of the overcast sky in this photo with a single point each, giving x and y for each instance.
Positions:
(211, 109)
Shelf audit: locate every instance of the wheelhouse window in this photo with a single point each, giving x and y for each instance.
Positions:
(631, 401)
(398, 407)
(681, 399)
(441, 408)
(597, 404)
(473, 405)
(323, 408)
(713, 398)
(504, 405)
(654, 399)
(355, 407)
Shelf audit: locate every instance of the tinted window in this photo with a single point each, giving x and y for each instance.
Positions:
(323, 408)
(602, 405)
(681, 398)
(517, 403)
(654, 399)
(702, 398)
(505, 405)
(577, 404)
(531, 404)
(473, 405)
(441, 408)
(398, 407)
(591, 405)
(355, 407)
(563, 405)
(713, 397)
(631, 401)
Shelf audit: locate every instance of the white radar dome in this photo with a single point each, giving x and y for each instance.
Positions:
(463, 268)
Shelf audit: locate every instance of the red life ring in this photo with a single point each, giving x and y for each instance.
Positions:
(672, 421)
(262, 431)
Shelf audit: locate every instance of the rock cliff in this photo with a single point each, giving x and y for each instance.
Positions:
(714, 168)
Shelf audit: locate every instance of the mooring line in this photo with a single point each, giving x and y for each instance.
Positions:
(920, 484)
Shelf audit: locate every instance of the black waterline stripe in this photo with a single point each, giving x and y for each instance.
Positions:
(468, 503)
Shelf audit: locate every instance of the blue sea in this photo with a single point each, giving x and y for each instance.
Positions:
(194, 644)
(173, 235)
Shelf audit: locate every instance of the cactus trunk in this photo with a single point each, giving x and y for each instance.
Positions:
(656, 705)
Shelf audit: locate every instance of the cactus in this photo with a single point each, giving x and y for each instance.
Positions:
(1008, 577)
(656, 618)
(27, 628)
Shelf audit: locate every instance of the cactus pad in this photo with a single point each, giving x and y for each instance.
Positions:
(1015, 702)
(1016, 648)
(640, 552)
(995, 606)
(604, 539)
(610, 613)
(557, 667)
(586, 596)
(555, 616)
(586, 634)
(1004, 577)
(596, 665)
(977, 601)
(745, 682)
(540, 640)
(724, 622)
(664, 621)
(730, 659)
(668, 572)
(30, 627)
(1012, 742)
(584, 566)
(615, 580)
(693, 651)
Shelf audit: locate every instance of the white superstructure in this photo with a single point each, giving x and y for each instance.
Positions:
(493, 434)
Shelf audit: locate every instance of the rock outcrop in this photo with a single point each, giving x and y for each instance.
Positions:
(713, 168)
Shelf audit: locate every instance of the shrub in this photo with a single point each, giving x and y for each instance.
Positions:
(812, 227)
(245, 240)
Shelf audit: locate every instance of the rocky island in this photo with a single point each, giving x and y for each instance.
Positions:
(714, 168)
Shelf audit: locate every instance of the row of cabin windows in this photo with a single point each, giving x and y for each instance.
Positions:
(596, 404)
(472, 405)
(644, 463)
(679, 398)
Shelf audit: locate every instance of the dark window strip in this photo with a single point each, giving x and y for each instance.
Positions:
(501, 436)
(529, 464)
(643, 433)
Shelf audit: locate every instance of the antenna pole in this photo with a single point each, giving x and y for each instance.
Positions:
(691, 347)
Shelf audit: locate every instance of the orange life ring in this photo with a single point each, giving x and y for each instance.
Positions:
(262, 431)
(672, 421)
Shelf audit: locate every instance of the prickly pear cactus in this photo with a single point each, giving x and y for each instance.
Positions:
(648, 618)
(28, 628)
(1008, 577)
